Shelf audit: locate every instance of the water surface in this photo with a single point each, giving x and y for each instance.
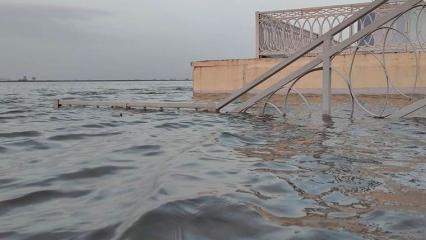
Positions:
(87, 173)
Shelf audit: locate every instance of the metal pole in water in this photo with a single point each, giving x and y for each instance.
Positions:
(56, 104)
(326, 78)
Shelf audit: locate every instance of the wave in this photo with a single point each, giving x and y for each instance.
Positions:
(146, 150)
(91, 173)
(80, 136)
(85, 173)
(38, 197)
(31, 143)
(20, 134)
(209, 218)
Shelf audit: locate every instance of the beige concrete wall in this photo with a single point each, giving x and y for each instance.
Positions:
(225, 76)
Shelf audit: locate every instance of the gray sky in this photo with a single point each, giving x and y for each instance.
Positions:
(127, 39)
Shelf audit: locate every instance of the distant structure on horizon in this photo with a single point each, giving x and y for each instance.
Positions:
(25, 79)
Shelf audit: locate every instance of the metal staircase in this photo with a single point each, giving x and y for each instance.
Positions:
(328, 52)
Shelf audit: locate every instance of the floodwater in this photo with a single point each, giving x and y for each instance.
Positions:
(87, 173)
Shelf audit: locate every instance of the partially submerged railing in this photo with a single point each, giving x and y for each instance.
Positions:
(203, 107)
(325, 48)
(282, 33)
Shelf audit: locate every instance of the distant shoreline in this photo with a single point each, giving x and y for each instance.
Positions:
(44, 81)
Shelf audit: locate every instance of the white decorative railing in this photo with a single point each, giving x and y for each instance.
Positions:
(282, 33)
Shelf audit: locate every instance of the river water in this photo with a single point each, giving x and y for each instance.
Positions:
(87, 173)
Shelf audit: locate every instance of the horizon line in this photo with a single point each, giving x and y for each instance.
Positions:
(103, 80)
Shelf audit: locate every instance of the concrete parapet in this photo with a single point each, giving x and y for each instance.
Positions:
(368, 75)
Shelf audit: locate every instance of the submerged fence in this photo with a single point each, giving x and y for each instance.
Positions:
(282, 33)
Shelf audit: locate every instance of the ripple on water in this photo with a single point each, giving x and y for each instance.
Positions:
(340, 199)
(216, 218)
(173, 125)
(398, 223)
(80, 136)
(53, 235)
(38, 197)
(145, 150)
(107, 232)
(86, 173)
(91, 172)
(32, 144)
(233, 139)
(20, 134)
(6, 235)
(103, 125)
(418, 120)
(15, 112)
(93, 126)
(199, 219)
(3, 149)
(110, 124)
(6, 181)
(12, 117)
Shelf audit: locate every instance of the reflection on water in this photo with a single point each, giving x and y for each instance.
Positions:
(86, 173)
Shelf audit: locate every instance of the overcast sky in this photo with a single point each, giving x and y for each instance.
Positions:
(127, 39)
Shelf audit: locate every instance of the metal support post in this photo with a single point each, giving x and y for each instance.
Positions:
(257, 34)
(326, 78)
